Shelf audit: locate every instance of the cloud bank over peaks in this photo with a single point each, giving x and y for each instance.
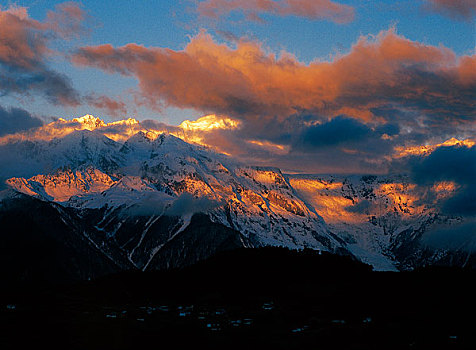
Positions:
(121, 130)
(117, 131)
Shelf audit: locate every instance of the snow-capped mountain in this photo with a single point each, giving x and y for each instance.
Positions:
(380, 218)
(136, 203)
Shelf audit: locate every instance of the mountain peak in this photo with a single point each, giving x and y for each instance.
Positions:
(91, 122)
(127, 122)
(141, 137)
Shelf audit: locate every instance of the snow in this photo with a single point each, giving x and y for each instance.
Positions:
(145, 174)
(379, 261)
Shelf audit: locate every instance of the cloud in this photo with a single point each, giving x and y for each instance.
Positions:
(113, 107)
(68, 20)
(454, 165)
(252, 9)
(462, 203)
(460, 236)
(389, 129)
(14, 120)
(362, 207)
(187, 204)
(456, 9)
(152, 203)
(337, 131)
(344, 144)
(386, 91)
(446, 163)
(242, 81)
(120, 130)
(25, 49)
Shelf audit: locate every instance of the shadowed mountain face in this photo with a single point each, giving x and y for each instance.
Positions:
(44, 242)
(94, 206)
(41, 242)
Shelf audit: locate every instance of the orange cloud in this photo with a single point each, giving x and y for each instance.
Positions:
(67, 20)
(23, 41)
(311, 9)
(209, 122)
(247, 80)
(401, 151)
(113, 107)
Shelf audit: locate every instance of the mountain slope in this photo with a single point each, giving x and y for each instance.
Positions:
(380, 218)
(40, 242)
(135, 202)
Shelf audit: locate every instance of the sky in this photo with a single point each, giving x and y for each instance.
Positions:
(306, 85)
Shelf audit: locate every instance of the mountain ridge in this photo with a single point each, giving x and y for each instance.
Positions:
(126, 188)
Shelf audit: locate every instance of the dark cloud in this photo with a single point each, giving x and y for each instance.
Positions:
(390, 129)
(342, 145)
(456, 9)
(188, 204)
(15, 119)
(456, 236)
(25, 49)
(455, 164)
(446, 163)
(152, 203)
(158, 203)
(337, 131)
(55, 87)
(462, 203)
(362, 207)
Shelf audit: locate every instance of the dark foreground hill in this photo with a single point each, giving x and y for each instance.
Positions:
(248, 298)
